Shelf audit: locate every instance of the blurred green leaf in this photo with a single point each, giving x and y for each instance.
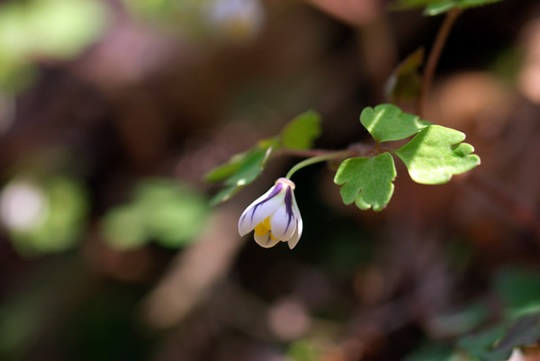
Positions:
(520, 292)
(431, 351)
(301, 132)
(16, 75)
(27, 311)
(474, 3)
(52, 28)
(437, 7)
(124, 227)
(518, 289)
(304, 350)
(250, 168)
(367, 181)
(226, 170)
(460, 321)
(386, 122)
(440, 7)
(497, 342)
(240, 172)
(481, 344)
(176, 213)
(173, 16)
(55, 29)
(404, 83)
(168, 212)
(523, 331)
(435, 154)
(60, 221)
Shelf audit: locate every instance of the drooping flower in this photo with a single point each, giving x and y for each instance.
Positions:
(274, 216)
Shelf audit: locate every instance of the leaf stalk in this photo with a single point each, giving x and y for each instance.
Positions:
(318, 159)
(433, 58)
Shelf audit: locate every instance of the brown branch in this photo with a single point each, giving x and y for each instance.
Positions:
(433, 58)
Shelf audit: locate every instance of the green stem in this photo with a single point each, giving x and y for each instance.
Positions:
(318, 159)
(433, 58)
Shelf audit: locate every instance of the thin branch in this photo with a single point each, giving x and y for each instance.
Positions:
(433, 58)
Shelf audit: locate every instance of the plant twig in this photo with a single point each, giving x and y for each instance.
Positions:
(318, 159)
(433, 58)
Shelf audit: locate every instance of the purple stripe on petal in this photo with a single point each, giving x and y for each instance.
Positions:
(277, 189)
(289, 207)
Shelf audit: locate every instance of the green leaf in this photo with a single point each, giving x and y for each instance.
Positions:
(461, 320)
(473, 3)
(518, 289)
(437, 7)
(386, 122)
(246, 171)
(226, 170)
(480, 345)
(524, 331)
(367, 181)
(497, 343)
(430, 351)
(404, 83)
(301, 132)
(440, 7)
(436, 154)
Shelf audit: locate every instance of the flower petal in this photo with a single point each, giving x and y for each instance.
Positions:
(283, 221)
(265, 240)
(293, 241)
(262, 207)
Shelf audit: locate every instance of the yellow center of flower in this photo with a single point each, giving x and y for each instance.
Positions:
(262, 228)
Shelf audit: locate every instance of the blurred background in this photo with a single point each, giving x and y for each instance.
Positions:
(112, 111)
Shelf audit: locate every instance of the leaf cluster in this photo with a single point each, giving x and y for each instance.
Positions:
(432, 156)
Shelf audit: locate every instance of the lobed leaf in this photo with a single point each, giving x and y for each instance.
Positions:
(386, 122)
(436, 154)
(367, 181)
(301, 132)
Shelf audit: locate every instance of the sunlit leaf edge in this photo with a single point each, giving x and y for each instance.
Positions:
(440, 177)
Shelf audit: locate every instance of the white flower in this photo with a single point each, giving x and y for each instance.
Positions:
(274, 216)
